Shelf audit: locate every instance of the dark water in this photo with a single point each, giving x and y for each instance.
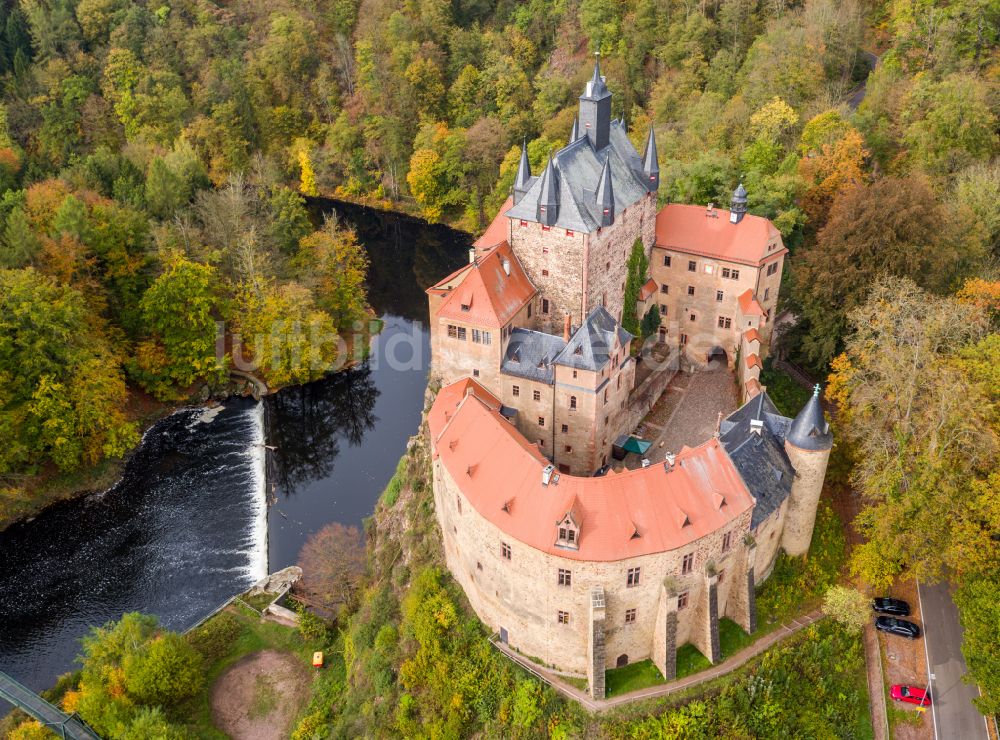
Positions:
(187, 527)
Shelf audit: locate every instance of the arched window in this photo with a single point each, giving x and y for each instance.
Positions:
(572, 402)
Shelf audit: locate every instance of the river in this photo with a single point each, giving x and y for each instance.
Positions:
(189, 524)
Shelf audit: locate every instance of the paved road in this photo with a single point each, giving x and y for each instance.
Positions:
(954, 714)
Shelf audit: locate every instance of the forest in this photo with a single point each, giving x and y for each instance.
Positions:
(155, 159)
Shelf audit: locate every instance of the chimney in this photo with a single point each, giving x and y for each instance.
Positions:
(472, 255)
(756, 426)
(547, 472)
(506, 266)
(567, 328)
(669, 459)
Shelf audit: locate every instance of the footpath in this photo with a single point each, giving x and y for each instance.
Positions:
(650, 692)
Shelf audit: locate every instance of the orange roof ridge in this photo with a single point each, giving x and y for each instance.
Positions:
(687, 228)
(494, 289)
(748, 303)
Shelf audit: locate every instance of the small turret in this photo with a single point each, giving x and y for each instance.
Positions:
(738, 205)
(809, 430)
(808, 443)
(522, 181)
(574, 134)
(605, 195)
(650, 163)
(548, 196)
(595, 110)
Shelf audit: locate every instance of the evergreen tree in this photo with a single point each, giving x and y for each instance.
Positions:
(638, 273)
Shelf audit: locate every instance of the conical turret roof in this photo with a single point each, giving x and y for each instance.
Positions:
(548, 197)
(596, 88)
(809, 430)
(650, 161)
(521, 181)
(575, 133)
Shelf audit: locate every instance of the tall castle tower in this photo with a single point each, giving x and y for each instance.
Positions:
(572, 228)
(808, 442)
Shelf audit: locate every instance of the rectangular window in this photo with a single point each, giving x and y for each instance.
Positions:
(736, 274)
(718, 295)
(462, 332)
(772, 268)
(565, 577)
(571, 536)
(515, 390)
(630, 616)
(692, 266)
(690, 290)
(563, 617)
(572, 402)
(505, 551)
(693, 317)
(475, 373)
(725, 272)
(666, 260)
(632, 579)
(682, 600)
(663, 310)
(545, 273)
(541, 421)
(452, 331)
(567, 448)
(569, 233)
(684, 338)
(458, 503)
(664, 289)
(709, 269)
(477, 336)
(545, 250)
(523, 222)
(565, 429)
(726, 541)
(545, 305)
(687, 565)
(529, 310)
(767, 292)
(536, 395)
(725, 322)
(546, 228)
(487, 339)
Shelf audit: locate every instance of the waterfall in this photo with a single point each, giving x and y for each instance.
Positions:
(258, 464)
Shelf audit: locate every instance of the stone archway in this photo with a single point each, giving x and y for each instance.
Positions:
(717, 357)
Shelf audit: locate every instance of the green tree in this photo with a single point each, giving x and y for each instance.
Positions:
(289, 221)
(334, 265)
(164, 190)
(638, 269)
(165, 672)
(178, 313)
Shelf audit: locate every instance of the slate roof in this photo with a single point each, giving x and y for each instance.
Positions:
(590, 347)
(530, 354)
(577, 169)
(760, 458)
(809, 430)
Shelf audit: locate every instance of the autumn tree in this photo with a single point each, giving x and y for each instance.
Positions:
(848, 606)
(892, 226)
(918, 403)
(334, 265)
(178, 316)
(332, 562)
(62, 391)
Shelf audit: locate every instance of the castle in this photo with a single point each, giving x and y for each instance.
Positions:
(581, 571)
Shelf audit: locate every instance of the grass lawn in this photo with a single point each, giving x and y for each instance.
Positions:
(223, 640)
(732, 638)
(689, 660)
(631, 677)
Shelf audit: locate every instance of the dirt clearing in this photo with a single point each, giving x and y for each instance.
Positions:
(259, 696)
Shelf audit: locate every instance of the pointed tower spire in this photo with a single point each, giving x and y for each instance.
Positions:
(548, 195)
(650, 163)
(809, 430)
(606, 195)
(738, 205)
(522, 181)
(575, 133)
(595, 110)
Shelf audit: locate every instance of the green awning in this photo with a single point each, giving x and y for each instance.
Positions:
(636, 445)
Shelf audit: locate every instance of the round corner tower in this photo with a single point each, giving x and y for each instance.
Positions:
(807, 443)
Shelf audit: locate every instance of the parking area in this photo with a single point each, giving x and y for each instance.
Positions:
(904, 662)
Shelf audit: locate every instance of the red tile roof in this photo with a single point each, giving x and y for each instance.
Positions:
(647, 289)
(500, 474)
(498, 230)
(483, 294)
(749, 305)
(753, 388)
(753, 361)
(688, 229)
(752, 335)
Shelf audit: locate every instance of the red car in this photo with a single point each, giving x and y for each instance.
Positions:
(910, 694)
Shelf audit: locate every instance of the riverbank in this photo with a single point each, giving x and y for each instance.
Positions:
(30, 495)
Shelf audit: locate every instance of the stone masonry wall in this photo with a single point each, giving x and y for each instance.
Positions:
(553, 259)
(523, 596)
(810, 470)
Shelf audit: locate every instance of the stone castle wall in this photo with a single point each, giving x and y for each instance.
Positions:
(810, 470)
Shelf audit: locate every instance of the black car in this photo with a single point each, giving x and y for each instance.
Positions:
(895, 607)
(897, 627)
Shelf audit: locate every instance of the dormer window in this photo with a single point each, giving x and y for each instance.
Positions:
(568, 533)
